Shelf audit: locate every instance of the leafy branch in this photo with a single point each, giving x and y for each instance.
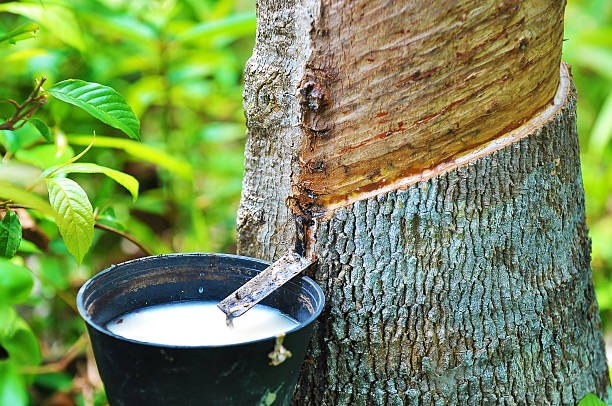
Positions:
(70, 205)
(26, 109)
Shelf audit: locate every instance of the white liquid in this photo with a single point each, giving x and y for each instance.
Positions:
(194, 323)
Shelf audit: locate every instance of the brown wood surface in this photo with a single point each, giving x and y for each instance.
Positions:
(395, 89)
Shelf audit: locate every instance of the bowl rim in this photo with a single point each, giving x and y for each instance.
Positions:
(89, 321)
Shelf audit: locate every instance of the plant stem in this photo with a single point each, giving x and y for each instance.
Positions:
(127, 236)
(26, 109)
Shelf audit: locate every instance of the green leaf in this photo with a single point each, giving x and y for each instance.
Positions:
(127, 181)
(19, 195)
(102, 102)
(22, 32)
(108, 218)
(140, 151)
(22, 345)
(56, 381)
(20, 138)
(42, 128)
(591, 400)
(19, 341)
(28, 247)
(54, 272)
(74, 215)
(52, 17)
(10, 234)
(8, 315)
(13, 390)
(15, 282)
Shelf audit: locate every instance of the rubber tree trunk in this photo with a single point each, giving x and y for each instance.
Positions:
(432, 150)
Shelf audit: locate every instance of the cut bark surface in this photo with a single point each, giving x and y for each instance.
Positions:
(393, 88)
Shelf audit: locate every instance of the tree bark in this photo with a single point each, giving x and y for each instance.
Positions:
(470, 288)
(465, 278)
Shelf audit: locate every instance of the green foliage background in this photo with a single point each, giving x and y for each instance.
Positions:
(179, 64)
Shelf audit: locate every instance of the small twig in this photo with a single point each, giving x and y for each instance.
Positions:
(127, 236)
(25, 109)
(13, 102)
(9, 205)
(61, 364)
(29, 112)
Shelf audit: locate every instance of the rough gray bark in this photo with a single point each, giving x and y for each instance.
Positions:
(272, 75)
(473, 287)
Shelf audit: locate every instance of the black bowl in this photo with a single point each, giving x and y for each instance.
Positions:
(139, 373)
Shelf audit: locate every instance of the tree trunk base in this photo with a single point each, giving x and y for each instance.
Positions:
(470, 288)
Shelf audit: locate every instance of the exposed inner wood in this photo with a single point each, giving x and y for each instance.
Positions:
(395, 92)
(461, 159)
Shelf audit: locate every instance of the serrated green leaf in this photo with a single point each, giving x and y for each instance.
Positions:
(141, 151)
(74, 215)
(102, 102)
(15, 282)
(127, 181)
(54, 18)
(591, 400)
(19, 195)
(10, 234)
(42, 128)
